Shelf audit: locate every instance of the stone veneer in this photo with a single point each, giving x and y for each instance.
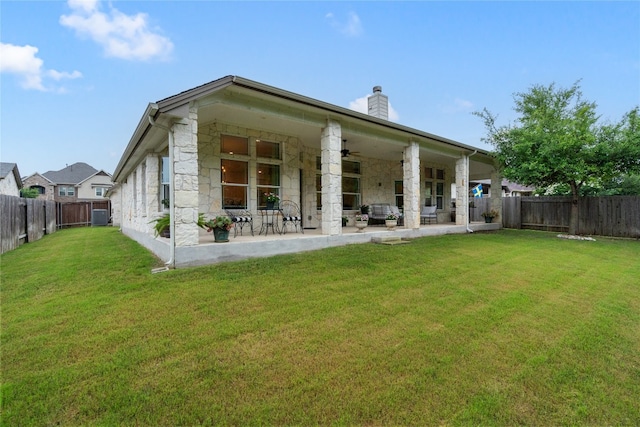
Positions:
(462, 190)
(411, 185)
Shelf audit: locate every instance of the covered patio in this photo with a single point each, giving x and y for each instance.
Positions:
(231, 142)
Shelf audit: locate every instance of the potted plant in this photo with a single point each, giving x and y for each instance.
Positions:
(272, 199)
(344, 221)
(391, 221)
(220, 226)
(362, 220)
(489, 215)
(161, 226)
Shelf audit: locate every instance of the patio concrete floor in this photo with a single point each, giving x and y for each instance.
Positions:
(260, 245)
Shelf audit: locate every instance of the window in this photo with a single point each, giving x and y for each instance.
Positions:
(234, 145)
(318, 191)
(268, 150)
(40, 188)
(165, 181)
(268, 181)
(434, 187)
(399, 192)
(428, 193)
(99, 191)
(350, 193)
(66, 191)
(350, 185)
(440, 195)
(235, 182)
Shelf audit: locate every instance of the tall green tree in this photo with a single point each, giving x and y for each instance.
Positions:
(557, 140)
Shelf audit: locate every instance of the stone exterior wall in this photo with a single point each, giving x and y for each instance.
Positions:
(135, 202)
(209, 173)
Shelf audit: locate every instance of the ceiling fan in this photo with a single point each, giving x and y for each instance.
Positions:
(345, 152)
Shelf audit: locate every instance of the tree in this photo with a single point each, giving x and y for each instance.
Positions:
(29, 193)
(557, 141)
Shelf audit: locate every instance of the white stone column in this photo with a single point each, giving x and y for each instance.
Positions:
(462, 190)
(185, 169)
(411, 185)
(330, 142)
(496, 193)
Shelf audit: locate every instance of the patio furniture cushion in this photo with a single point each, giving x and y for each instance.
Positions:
(240, 218)
(379, 211)
(428, 213)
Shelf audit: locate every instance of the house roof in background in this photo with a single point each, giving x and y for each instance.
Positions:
(72, 174)
(511, 186)
(7, 168)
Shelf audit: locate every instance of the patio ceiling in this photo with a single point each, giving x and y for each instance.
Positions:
(370, 137)
(237, 101)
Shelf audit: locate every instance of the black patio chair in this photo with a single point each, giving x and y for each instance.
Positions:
(240, 218)
(291, 216)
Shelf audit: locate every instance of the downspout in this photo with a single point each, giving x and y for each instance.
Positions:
(172, 223)
(469, 230)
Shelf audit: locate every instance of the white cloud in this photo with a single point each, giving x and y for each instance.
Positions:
(458, 105)
(361, 105)
(352, 27)
(23, 62)
(121, 36)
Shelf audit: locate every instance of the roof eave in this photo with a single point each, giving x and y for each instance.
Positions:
(136, 139)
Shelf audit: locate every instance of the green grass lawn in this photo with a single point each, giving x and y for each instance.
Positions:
(507, 328)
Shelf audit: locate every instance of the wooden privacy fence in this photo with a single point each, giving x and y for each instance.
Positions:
(616, 216)
(74, 214)
(24, 220)
(478, 205)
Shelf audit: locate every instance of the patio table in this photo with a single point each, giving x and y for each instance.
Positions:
(269, 220)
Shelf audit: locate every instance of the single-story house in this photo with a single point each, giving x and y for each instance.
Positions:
(76, 182)
(10, 181)
(227, 143)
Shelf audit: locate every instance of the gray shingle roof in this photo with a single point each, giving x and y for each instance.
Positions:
(72, 174)
(6, 169)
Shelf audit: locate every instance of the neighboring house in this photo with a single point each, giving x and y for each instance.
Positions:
(508, 188)
(77, 182)
(46, 188)
(228, 142)
(10, 181)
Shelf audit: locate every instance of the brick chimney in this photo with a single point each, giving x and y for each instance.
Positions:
(378, 104)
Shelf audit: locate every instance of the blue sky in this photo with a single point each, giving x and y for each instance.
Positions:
(76, 76)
